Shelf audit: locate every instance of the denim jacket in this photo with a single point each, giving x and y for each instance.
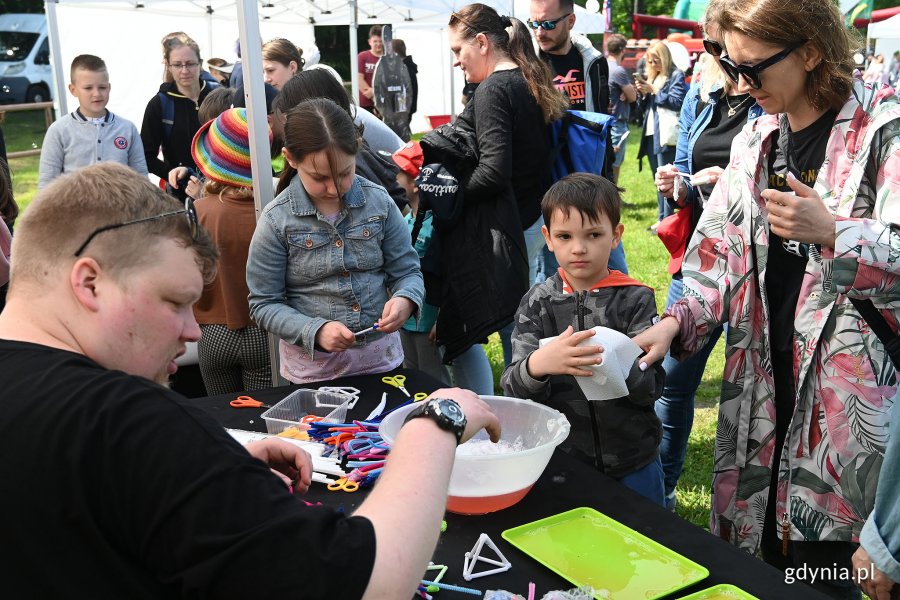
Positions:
(671, 96)
(691, 125)
(303, 271)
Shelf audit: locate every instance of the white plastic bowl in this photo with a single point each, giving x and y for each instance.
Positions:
(486, 483)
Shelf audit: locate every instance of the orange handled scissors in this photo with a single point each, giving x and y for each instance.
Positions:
(247, 402)
(343, 484)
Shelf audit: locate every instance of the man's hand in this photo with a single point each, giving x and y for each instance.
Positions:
(368, 93)
(801, 216)
(395, 313)
(334, 336)
(869, 578)
(286, 460)
(478, 414)
(563, 356)
(655, 341)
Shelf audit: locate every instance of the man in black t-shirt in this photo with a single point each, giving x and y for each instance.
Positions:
(580, 71)
(113, 486)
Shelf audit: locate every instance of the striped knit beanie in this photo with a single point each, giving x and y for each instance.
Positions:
(221, 149)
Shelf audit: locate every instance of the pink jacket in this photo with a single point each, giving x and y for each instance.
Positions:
(845, 383)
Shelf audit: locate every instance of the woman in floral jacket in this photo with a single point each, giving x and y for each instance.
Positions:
(807, 387)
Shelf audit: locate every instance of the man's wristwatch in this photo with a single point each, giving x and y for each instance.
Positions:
(445, 412)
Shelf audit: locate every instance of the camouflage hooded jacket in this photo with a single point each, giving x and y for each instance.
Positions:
(616, 436)
(845, 382)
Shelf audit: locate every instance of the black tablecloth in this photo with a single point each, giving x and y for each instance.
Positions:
(565, 484)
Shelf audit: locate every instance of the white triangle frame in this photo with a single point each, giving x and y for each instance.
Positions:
(475, 555)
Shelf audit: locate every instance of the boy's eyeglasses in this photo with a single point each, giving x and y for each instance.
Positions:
(546, 25)
(713, 47)
(751, 74)
(188, 210)
(189, 66)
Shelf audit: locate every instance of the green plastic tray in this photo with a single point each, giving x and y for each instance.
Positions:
(723, 591)
(590, 549)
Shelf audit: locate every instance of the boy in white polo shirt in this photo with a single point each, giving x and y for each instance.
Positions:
(91, 134)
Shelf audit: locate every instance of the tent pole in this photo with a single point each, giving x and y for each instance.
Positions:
(257, 119)
(59, 94)
(354, 50)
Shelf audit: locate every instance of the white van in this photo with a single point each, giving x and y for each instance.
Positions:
(25, 73)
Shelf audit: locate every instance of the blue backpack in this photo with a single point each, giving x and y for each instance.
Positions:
(581, 143)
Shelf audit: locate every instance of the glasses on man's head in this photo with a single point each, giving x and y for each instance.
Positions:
(546, 25)
(188, 66)
(713, 47)
(751, 74)
(188, 210)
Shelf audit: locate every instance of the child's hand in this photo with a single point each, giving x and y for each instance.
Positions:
(396, 312)
(563, 356)
(334, 336)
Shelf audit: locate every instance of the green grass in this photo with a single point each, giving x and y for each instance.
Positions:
(647, 261)
(24, 131)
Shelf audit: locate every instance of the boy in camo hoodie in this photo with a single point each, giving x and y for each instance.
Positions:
(621, 436)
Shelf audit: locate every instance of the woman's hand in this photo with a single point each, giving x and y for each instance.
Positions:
(177, 174)
(709, 175)
(665, 182)
(334, 336)
(643, 87)
(801, 216)
(194, 188)
(396, 311)
(655, 341)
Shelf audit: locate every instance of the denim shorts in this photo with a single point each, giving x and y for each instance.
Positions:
(619, 128)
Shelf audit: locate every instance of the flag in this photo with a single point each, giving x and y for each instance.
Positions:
(607, 15)
(856, 9)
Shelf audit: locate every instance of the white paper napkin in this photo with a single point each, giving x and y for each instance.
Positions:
(619, 354)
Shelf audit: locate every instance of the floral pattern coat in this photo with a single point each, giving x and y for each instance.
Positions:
(845, 382)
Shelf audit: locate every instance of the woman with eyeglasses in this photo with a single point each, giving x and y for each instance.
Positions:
(170, 119)
(661, 89)
(713, 113)
(800, 232)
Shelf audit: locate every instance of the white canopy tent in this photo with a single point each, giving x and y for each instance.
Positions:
(105, 27)
(887, 36)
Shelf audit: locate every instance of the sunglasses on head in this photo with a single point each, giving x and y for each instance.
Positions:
(188, 210)
(713, 47)
(546, 25)
(751, 74)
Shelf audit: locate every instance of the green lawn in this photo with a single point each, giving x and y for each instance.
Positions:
(647, 260)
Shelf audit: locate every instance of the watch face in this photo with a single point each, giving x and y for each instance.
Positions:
(451, 410)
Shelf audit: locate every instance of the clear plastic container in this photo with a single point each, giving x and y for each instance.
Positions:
(287, 413)
(486, 482)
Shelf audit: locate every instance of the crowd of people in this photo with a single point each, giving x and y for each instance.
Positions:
(776, 173)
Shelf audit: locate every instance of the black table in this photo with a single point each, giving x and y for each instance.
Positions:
(565, 484)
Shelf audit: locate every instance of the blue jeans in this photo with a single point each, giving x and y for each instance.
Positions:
(472, 371)
(647, 481)
(675, 408)
(667, 156)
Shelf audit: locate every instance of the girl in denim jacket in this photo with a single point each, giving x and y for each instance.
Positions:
(331, 256)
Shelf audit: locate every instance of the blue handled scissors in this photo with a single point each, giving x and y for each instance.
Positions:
(398, 382)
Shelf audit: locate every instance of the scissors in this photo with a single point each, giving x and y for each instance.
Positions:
(343, 484)
(396, 381)
(247, 402)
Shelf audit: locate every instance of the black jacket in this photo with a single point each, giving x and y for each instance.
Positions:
(176, 149)
(413, 69)
(476, 269)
